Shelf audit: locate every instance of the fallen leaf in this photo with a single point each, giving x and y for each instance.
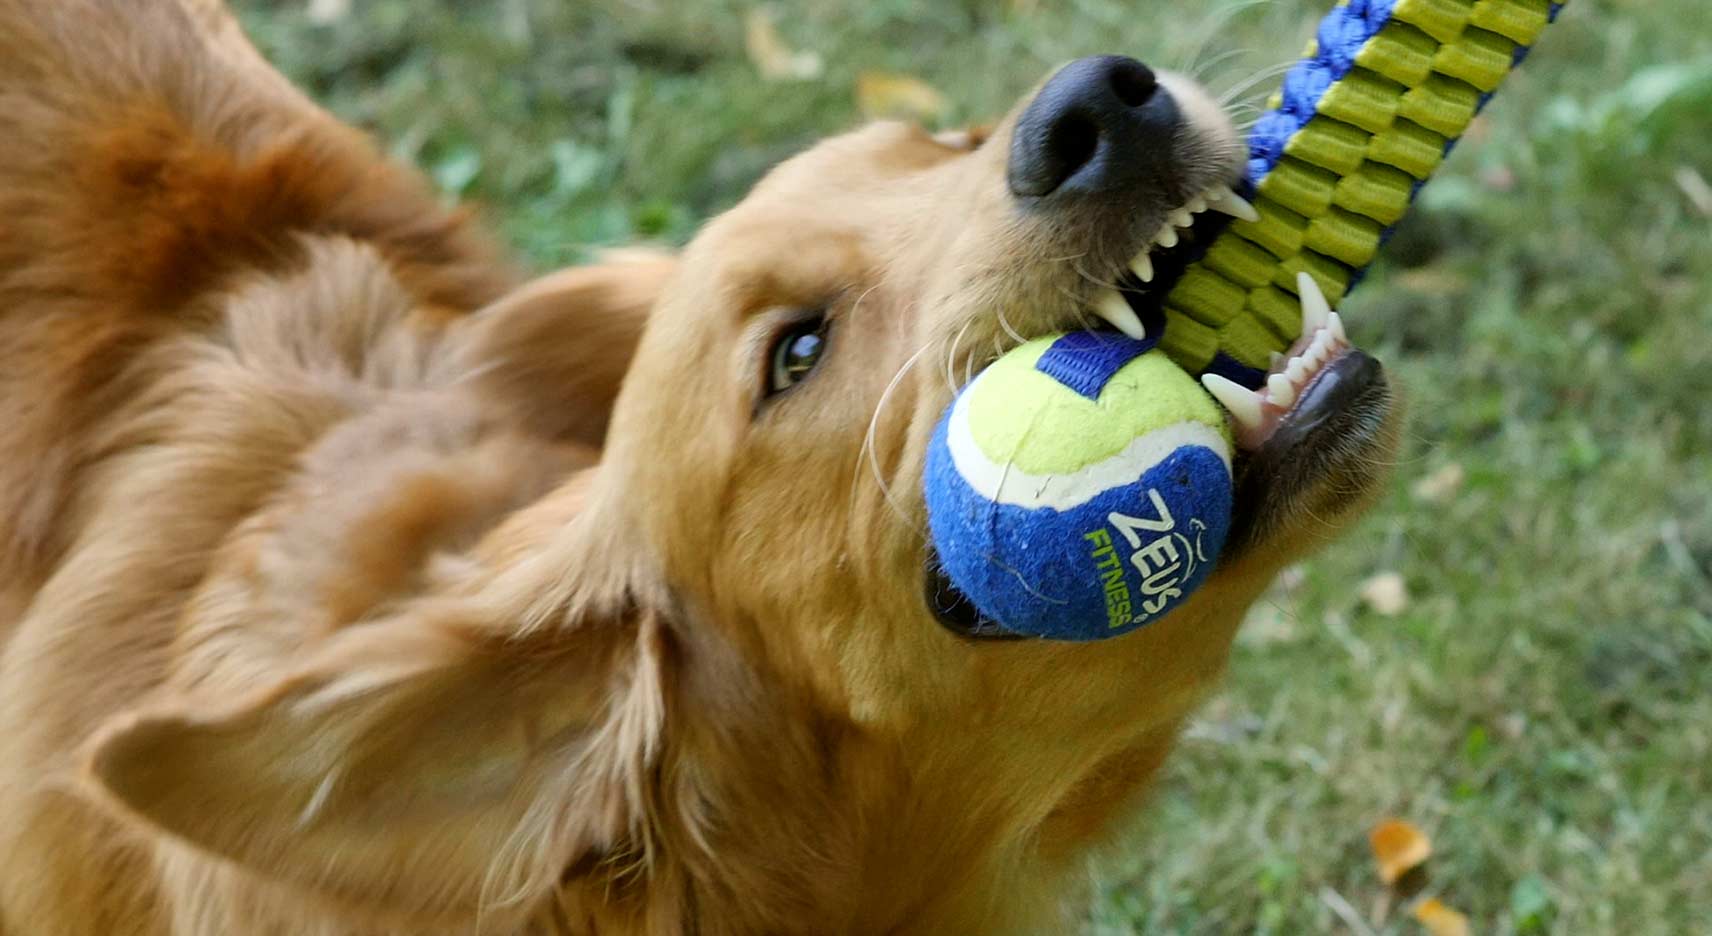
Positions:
(1267, 623)
(767, 50)
(1398, 848)
(1498, 178)
(884, 94)
(1439, 486)
(1695, 186)
(322, 12)
(1433, 280)
(1386, 594)
(1440, 920)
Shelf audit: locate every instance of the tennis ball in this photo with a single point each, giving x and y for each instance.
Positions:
(1079, 487)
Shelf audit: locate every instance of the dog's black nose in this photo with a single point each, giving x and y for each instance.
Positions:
(1098, 126)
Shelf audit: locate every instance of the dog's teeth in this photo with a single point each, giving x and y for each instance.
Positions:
(1276, 361)
(1197, 204)
(1167, 236)
(1182, 218)
(1143, 267)
(1280, 390)
(1315, 309)
(1112, 307)
(1243, 403)
(1221, 198)
(1297, 371)
(1334, 324)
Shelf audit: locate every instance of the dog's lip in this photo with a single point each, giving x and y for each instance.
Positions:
(1333, 391)
(955, 612)
(1331, 428)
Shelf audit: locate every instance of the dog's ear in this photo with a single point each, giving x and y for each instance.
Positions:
(557, 348)
(417, 763)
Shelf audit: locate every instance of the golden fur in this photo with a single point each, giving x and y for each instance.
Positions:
(339, 596)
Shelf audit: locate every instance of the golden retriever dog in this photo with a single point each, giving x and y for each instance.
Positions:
(351, 585)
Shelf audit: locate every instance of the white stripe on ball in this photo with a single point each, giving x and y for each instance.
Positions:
(1005, 483)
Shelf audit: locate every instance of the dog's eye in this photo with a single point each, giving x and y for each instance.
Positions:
(796, 351)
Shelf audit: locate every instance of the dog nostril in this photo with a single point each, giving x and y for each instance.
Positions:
(1072, 141)
(1099, 126)
(1133, 82)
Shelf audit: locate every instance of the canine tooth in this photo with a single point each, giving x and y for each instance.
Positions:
(1281, 390)
(1112, 307)
(1221, 198)
(1167, 236)
(1182, 218)
(1315, 308)
(1143, 267)
(1334, 324)
(1243, 403)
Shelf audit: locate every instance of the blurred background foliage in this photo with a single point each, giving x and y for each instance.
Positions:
(1514, 652)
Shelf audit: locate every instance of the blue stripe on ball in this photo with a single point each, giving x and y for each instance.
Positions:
(1085, 361)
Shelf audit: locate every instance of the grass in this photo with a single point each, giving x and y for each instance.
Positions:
(1543, 704)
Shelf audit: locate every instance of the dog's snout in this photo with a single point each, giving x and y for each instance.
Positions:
(1097, 127)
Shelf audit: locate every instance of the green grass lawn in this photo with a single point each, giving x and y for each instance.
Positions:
(1542, 705)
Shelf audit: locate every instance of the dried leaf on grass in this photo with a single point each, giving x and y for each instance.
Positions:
(322, 12)
(1440, 920)
(1386, 593)
(1398, 848)
(884, 94)
(1441, 485)
(771, 56)
(1696, 188)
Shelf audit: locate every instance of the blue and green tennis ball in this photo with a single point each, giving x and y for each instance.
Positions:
(1079, 487)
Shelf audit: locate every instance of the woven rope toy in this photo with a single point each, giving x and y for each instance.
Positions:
(1381, 96)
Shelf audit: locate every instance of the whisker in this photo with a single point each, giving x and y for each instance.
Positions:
(951, 383)
(1217, 60)
(969, 366)
(1213, 24)
(1076, 264)
(1247, 84)
(1068, 258)
(1010, 331)
(870, 453)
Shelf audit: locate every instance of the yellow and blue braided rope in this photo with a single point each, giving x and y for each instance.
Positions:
(1382, 94)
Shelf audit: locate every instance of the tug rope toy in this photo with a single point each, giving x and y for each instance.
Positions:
(1381, 96)
(1080, 487)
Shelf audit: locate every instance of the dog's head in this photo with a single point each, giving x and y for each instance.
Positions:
(770, 439)
(728, 634)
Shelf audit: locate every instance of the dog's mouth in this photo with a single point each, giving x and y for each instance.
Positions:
(1309, 427)
(1136, 307)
